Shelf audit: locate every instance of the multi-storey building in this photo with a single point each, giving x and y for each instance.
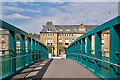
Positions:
(4, 41)
(60, 36)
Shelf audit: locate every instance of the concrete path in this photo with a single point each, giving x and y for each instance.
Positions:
(35, 71)
(62, 68)
(55, 69)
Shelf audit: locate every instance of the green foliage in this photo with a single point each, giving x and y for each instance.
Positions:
(60, 47)
(49, 48)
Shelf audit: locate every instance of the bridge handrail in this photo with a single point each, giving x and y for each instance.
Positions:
(105, 64)
(96, 59)
(14, 60)
(10, 27)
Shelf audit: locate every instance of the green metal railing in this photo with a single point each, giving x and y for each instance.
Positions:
(101, 65)
(18, 59)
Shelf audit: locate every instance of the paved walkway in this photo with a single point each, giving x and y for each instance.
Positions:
(55, 69)
(35, 71)
(62, 68)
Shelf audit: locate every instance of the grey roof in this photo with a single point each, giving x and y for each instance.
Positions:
(90, 27)
(4, 32)
(50, 25)
(66, 28)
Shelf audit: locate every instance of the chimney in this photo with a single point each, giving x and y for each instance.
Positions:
(49, 22)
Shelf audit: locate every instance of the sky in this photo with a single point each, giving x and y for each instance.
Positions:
(31, 16)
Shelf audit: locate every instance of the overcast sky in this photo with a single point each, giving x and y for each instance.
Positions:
(30, 16)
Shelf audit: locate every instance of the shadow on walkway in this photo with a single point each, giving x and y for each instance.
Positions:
(33, 72)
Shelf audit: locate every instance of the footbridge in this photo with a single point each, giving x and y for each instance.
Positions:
(85, 57)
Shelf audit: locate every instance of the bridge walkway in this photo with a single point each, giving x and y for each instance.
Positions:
(57, 68)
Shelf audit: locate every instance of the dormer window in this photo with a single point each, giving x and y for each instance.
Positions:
(81, 29)
(67, 29)
(60, 30)
(49, 29)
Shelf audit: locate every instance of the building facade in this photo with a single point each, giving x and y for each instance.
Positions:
(4, 41)
(58, 37)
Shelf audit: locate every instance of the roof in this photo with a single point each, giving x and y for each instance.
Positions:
(4, 32)
(50, 25)
(66, 28)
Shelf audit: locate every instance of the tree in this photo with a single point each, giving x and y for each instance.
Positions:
(60, 47)
(49, 48)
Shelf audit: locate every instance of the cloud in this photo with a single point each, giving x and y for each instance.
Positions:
(91, 13)
(60, 0)
(36, 11)
(12, 4)
(57, 3)
(5, 9)
(15, 16)
(73, 13)
(11, 8)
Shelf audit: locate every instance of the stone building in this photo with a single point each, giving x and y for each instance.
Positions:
(60, 36)
(4, 41)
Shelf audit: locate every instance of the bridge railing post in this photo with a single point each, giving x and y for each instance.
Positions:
(97, 52)
(88, 50)
(75, 58)
(33, 49)
(83, 51)
(114, 71)
(39, 51)
(22, 50)
(78, 48)
(29, 49)
(12, 53)
(36, 50)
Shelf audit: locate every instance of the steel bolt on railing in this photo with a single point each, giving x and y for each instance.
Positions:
(18, 59)
(101, 65)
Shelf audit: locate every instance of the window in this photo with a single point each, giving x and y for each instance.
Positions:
(48, 41)
(3, 38)
(72, 40)
(81, 29)
(50, 34)
(48, 29)
(69, 34)
(72, 34)
(60, 30)
(3, 45)
(67, 29)
(103, 35)
(51, 41)
(60, 40)
(46, 34)
(66, 41)
(102, 42)
(65, 34)
(45, 41)
(51, 29)
(43, 34)
(53, 34)
(62, 34)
